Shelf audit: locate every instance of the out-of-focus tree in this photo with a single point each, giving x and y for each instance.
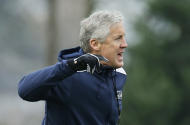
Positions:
(52, 43)
(63, 25)
(158, 81)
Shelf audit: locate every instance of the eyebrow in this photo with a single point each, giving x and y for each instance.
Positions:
(119, 35)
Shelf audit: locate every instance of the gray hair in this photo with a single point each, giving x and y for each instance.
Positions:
(97, 26)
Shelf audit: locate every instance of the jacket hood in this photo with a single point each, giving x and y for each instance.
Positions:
(70, 53)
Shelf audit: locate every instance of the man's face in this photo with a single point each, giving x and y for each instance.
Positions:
(113, 47)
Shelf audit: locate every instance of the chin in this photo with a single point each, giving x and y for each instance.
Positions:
(118, 65)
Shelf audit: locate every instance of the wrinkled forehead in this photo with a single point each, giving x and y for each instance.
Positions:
(117, 29)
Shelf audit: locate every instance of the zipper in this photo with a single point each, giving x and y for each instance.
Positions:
(116, 96)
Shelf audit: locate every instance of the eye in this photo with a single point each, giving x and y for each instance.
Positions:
(118, 38)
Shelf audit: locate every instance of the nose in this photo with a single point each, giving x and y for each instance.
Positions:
(123, 44)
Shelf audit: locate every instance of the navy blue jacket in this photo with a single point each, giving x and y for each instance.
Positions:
(74, 98)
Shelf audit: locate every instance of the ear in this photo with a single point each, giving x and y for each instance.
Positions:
(95, 44)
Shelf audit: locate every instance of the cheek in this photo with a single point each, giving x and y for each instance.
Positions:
(109, 51)
(110, 55)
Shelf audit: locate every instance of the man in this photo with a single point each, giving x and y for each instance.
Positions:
(85, 86)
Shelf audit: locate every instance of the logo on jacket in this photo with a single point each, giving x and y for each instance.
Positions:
(119, 94)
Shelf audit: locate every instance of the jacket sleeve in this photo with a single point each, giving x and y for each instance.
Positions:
(35, 86)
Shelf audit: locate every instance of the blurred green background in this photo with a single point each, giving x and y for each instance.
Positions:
(32, 32)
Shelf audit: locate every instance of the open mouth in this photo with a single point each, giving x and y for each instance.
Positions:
(120, 54)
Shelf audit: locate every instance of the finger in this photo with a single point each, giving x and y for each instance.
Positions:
(88, 68)
(92, 70)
